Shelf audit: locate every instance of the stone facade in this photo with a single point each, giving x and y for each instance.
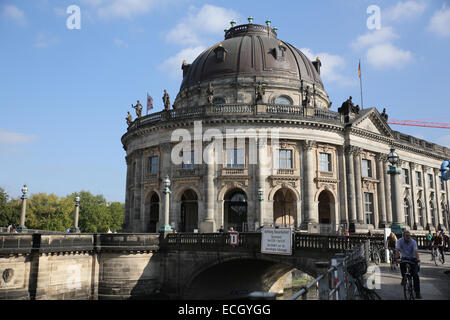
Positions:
(335, 165)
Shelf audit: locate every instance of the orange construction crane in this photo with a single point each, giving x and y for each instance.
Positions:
(420, 123)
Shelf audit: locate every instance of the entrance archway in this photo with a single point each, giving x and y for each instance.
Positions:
(326, 212)
(235, 210)
(284, 208)
(152, 211)
(189, 211)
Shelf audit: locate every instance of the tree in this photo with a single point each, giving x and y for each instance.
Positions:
(117, 212)
(9, 209)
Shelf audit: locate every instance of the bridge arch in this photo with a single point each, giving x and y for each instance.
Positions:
(232, 276)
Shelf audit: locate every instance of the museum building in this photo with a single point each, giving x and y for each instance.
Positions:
(326, 172)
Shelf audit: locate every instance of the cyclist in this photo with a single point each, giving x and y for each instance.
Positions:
(437, 242)
(410, 253)
(391, 242)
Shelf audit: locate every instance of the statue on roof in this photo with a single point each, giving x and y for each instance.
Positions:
(138, 108)
(129, 119)
(348, 107)
(166, 100)
(384, 115)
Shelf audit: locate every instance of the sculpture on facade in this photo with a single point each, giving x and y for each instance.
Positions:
(129, 119)
(307, 98)
(384, 115)
(166, 100)
(259, 92)
(210, 93)
(138, 108)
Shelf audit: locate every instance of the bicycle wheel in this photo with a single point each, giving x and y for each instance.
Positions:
(408, 289)
(377, 258)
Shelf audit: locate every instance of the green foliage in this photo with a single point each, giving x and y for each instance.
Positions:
(50, 212)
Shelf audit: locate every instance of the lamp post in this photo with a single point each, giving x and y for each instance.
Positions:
(396, 194)
(261, 206)
(77, 213)
(166, 227)
(22, 226)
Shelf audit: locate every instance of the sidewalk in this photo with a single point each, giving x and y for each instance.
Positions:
(434, 283)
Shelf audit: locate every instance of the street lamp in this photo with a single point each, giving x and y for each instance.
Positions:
(166, 227)
(397, 216)
(22, 226)
(77, 213)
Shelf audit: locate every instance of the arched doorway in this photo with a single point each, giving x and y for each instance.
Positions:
(326, 208)
(235, 210)
(152, 211)
(189, 211)
(284, 208)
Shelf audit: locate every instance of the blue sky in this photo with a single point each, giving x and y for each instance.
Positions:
(64, 93)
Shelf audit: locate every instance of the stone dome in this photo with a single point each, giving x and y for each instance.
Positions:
(251, 50)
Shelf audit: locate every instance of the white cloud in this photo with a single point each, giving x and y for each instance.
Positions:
(388, 55)
(14, 13)
(60, 12)
(172, 65)
(44, 40)
(371, 38)
(407, 10)
(332, 66)
(440, 22)
(120, 43)
(127, 9)
(9, 137)
(208, 20)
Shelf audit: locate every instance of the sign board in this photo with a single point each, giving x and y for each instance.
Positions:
(276, 241)
(234, 238)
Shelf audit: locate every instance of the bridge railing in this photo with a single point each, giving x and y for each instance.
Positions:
(212, 241)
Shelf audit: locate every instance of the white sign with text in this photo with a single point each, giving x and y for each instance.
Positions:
(276, 241)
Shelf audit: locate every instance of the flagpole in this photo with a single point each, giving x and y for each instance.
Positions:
(360, 84)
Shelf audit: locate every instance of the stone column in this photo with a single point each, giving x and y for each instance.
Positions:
(426, 199)
(261, 179)
(437, 198)
(165, 165)
(137, 192)
(22, 226)
(350, 184)
(166, 227)
(208, 223)
(127, 218)
(398, 216)
(387, 179)
(311, 214)
(412, 183)
(358, 187)
(342, 187)
(380, 158)
(75, 228)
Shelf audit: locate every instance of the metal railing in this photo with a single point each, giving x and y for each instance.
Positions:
(333, 283)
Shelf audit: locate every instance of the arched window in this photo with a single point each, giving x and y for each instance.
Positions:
(407, 208)
(219, 100)
(283, 100)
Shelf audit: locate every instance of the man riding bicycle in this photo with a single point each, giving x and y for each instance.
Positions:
(410, 254)
(438, 242)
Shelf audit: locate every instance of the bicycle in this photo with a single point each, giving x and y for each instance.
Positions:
(356, 271)
(393, 263)
(407, 281)
(375, 253)
(436, 255)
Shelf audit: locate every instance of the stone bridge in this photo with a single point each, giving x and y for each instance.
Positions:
(152, 266)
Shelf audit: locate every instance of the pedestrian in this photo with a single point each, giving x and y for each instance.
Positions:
(221, 229)
(9, 229)
(14, 230)
(68, 230)
(230, 229)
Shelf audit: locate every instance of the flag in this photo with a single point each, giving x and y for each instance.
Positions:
(359, 69)
(149, 102)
